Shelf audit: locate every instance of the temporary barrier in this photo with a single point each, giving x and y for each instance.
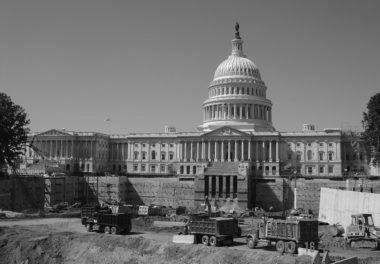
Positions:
(337, 206)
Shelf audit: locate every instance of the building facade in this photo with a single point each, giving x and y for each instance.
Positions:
(235, 145)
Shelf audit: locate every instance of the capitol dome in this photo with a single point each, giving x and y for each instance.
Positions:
(237, 95)
(236, 65)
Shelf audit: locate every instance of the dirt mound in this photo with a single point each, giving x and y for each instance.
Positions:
(27, 246)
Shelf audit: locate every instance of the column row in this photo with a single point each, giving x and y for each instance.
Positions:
(229, 150)
(237, 111)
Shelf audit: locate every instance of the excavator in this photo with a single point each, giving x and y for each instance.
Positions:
(362, 233)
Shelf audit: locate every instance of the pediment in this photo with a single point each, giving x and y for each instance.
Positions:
(225, 131)
(54, 132)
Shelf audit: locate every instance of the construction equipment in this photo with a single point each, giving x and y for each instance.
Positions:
(287, 234)
(102, 220)
(362, 233)
(213, 231)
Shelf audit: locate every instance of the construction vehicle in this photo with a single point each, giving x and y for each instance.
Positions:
(213, 231)
(103, 220)
(288, 234)
(362, 233)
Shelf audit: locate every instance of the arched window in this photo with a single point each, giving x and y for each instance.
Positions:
(181, 169)
(136, 155)
(187, 169)
(153, 155)
(309, 155)
(163, 155)
(321, 155)
(299, 156)
(171, 155)
(194, 169)
(274, 170)
(143, 155)
(82, 167)
(331, 155)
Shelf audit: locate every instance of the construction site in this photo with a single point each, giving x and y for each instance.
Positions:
(41, 214)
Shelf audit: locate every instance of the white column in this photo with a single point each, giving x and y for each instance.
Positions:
(236, 151)
(51, 149)
(249, 149)
(229, 150)
(72, 148)
(257, 151)
(61, 152)
(235, 114)
(203, 150)
(67, 148)
(222, 151)
(264, 156)
(277, 156)
(216, 150)
(270, 150)
(191, 151)
(185, 150)
(240, 111)
(209, 151)
(242, 150)
(246, 111)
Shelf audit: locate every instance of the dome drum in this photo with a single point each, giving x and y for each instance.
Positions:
(237, 95)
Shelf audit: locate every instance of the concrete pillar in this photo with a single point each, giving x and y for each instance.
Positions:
(246, 112)
(235, 111)
(61, 152)
(51, 149)
(240, 111)
(236, 151)
(228, 111)
(72, 148)
(257, 151)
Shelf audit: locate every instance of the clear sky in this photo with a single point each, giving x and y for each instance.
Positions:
(145, 64)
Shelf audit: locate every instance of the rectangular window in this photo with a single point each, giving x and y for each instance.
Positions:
(142, 167)
(162, 169)
(153, 168)
(171, 145)
(309, 170)
(330, 144)
(163, 156)
(171, 156)
(163, 145)
(153, 145)
(309, 144)
(298, 144)
(144, 145)
(136, 145)
(321, 144)
(234, 186)
(135, 167)
(331, 169)
(321, 169)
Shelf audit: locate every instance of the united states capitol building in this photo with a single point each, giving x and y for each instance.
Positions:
(235, 144)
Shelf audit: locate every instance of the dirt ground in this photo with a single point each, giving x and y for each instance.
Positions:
(65, 240)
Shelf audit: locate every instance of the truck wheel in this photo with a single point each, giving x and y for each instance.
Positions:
(114, 230)
(107, 230)
(213, 241)
(280, 247)
(250, 243)
(290, 247)
(205, 240)
(127, 230)
(89, 228)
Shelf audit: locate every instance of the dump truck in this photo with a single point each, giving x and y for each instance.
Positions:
(362, 233)
(105, 221)
(288, 234)
(213, 231)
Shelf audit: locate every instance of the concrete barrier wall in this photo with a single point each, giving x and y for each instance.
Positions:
(162, 191)
(337, 206)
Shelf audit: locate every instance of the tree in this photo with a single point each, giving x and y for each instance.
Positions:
(371, 124)
(13, 131)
